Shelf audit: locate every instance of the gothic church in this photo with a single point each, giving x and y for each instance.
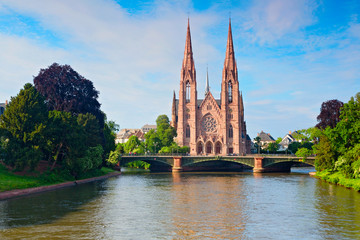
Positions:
(210, 126)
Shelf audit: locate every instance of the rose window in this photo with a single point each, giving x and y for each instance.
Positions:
(209, 124)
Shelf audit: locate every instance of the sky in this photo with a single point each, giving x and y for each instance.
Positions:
(291, 55)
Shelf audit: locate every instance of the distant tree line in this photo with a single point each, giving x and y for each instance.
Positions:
(160, 140)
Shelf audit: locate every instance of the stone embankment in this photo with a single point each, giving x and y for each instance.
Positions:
(23, 192)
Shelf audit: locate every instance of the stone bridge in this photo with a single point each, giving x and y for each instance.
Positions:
(259, 163)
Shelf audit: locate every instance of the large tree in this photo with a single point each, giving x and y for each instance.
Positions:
(329, 114)
(66, 90)
(23, 125)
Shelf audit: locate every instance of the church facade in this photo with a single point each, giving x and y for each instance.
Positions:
(210, 126)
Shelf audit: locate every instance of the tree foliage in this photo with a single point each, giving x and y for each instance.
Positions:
(339, 146)
(66, 90)
(23, 125)
(162, 137)
(329, 114)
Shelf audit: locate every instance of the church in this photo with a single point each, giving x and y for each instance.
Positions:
(210, 126)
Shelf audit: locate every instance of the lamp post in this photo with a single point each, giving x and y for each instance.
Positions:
(155, 144)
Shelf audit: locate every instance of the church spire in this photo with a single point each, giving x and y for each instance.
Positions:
(241, 105)
(207, 87)
(230, 56)
(173, 112)
(188, 61)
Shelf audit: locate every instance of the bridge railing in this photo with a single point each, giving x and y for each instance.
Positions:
(153, 154)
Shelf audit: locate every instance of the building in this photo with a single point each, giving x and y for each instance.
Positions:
(124, 135)
(287, 139)
(210, 126)
(265, 139)
(146, 128)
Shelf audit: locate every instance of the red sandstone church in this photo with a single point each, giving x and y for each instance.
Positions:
(210, 126)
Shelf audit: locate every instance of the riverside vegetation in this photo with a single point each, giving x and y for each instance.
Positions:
(336, 141)
(57, 120)
(338, 149)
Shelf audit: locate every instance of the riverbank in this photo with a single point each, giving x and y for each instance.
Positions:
(339, 179)
(27, 191)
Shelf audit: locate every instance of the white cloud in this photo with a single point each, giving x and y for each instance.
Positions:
(270, 20)
(134, 60)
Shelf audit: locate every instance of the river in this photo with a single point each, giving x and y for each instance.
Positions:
(188, 206)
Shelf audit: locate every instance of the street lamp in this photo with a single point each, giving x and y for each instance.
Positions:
(155, 144)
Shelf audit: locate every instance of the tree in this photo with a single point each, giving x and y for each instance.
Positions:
(294, 146)
(66, 90)
(162, 137)
(92, 129)
(258, 140)
(329, 114)
(66, 138)
(23, 125)
(304, 153)
(110, 129)
(325, 154)
(272, 147)
(132, 144)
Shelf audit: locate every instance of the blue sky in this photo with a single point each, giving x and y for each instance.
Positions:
(291, 55)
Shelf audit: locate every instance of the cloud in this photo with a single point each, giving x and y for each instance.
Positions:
(269, 20)
(134, 58)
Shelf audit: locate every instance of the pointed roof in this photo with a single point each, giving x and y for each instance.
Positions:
(174, 104)
(207, 87)
(241, 104)
(188, 61)
(230, 55)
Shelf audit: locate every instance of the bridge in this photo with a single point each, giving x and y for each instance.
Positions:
(259, 163)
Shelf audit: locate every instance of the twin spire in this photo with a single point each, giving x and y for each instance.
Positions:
(188, 62)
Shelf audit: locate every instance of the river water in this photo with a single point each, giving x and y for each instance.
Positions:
(188, 206)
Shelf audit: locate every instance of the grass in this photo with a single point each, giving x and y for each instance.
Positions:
(11, 181)
(339, 179)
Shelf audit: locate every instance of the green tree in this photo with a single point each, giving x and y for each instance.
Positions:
(23, 125)
(162, 137)
(294, 146)
(257, 141)
(304, 153)
(132, 144)
(66, 138)
(325, 154)
(110, 129)
(272, 147)
(92, 129)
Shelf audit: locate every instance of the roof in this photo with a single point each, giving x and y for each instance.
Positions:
(148, 126)
(265, 137)
(199, 101)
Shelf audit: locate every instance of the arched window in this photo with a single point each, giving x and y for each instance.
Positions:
(187, 131)
(187, 91)
(231, 133)
(230, 92)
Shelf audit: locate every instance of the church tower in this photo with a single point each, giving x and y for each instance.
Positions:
(230, 100)
(210, 126)
(187, 108)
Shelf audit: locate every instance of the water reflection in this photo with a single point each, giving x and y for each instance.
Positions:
(46, 207)
(188, 206)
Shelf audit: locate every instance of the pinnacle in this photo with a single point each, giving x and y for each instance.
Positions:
(230, 57)
(188, 54)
